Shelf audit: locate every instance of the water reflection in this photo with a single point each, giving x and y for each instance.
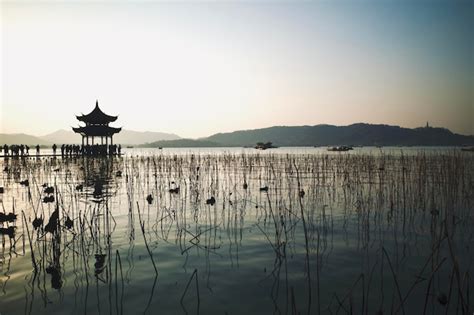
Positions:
(97, 178)
(291, 233)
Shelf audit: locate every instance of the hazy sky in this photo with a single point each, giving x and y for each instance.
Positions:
(199, 68)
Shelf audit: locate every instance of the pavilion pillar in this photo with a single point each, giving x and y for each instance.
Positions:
(82, 140)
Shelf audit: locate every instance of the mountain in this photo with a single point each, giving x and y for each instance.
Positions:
(21, 138)
(181, 143)
(125, 137)
(319, 135)
(62, 136)
(138, 137)
(355, 134)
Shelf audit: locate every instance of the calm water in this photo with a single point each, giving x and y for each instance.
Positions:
(292, 230)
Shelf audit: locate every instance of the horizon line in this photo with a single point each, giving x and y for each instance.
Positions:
(251, 129)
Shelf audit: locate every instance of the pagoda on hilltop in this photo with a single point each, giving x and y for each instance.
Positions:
(97, 126)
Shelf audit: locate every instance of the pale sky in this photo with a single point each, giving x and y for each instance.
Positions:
(199, 68)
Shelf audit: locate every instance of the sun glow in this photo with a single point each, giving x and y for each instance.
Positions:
(197, 69)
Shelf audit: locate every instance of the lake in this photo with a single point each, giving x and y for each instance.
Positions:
(233, 230)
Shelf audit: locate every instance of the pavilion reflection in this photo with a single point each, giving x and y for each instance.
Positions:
(86, 230)
(97, 178)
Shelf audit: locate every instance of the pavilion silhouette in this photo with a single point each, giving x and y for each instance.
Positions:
(97, 126)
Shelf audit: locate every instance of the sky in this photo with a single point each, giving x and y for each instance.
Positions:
(198, 68)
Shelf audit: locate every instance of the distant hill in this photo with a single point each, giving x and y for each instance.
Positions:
(62, 136)
(125, 137)
(319, 135)
(355, 134)
(139, 137)
(182, 143)
(21, 138)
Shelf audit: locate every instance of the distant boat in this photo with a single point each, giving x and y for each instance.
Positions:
(264, 146)
(342, 148)
(129, 146)
(468, 149)
(160, 148)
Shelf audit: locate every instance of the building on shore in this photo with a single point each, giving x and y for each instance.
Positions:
(97, 130)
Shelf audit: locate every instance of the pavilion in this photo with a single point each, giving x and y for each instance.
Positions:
(97, 126)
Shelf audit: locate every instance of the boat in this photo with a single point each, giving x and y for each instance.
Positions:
(468, 149)
(341, 148)
(264, 146)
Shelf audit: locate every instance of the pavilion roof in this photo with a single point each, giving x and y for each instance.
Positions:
(96, 130)
(97, 116)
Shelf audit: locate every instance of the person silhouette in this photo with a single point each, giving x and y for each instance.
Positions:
(37, 149)
(54, 149)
